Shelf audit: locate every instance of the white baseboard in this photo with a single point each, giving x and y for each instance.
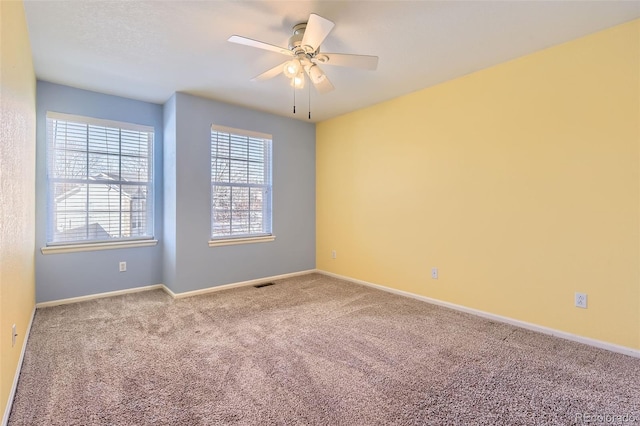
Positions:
(16, 376)
(98, 296)
(522, 324)
(169, 291)
(234, 285)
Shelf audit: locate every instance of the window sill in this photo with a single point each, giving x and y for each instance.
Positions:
(72, 248)
(248, 240)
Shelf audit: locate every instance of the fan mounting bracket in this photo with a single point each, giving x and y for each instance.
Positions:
(295, 41)
(298, 34)
(299, 28)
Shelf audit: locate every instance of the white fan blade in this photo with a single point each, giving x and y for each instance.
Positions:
(324, 86)
(271, 73)
(259, 44)
(345, 60)
(319, 79)
(318, 28)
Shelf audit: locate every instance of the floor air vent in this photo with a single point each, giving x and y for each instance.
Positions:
(263, 285)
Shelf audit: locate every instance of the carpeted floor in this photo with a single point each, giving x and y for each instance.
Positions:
(307, 350)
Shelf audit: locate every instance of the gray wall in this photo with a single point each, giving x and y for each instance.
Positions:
(60, 276)
(199, 266)
(183, 260)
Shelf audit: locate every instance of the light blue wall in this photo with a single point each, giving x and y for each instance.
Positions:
(183, 260)
(169, 184)
(199, 266)
(60, 276)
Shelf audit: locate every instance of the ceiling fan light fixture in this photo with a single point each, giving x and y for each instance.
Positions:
(297, 81)
(292, 68)
(316, 75)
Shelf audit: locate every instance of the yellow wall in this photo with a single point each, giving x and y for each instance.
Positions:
(17, 188)
(520, 182)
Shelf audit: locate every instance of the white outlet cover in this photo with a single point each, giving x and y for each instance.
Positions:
(434, 273)
(581, 300)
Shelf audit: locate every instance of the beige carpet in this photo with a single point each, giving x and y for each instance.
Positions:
(307, 350)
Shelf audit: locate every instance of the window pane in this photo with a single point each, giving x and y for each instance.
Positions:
(256, 211)
(238, 171)
(69, 217)
(221, 149)
(135, 143)
(104, 140)
(220, 170)
(104, 210)
(103, 166)
(240, 210)
(135, 169)
(221, 213)
(69, 164)
(135, 199)
(69, 136)
(256, 150)
(256, 173)
(238, 148)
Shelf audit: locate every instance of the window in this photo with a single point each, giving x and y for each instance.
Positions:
(99, 180)
(240, 184)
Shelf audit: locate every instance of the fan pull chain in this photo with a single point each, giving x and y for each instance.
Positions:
(309, 99)
(294, 100)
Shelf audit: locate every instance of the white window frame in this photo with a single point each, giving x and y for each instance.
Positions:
(266, 187)
(54, 245)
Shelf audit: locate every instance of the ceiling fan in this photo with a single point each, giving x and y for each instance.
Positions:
(304, 48)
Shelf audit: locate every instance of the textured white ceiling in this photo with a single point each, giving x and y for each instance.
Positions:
(148, 50)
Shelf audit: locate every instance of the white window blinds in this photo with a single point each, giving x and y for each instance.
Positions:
(99, 180)
(240, 183)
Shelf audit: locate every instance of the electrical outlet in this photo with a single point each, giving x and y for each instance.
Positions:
(14, 334)
(123, 266)
(581, 300)
(434, 273)
(333, 254)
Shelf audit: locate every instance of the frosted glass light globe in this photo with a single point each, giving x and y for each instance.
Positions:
(292, 68)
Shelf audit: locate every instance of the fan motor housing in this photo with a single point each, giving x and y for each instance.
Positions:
(298, 33)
